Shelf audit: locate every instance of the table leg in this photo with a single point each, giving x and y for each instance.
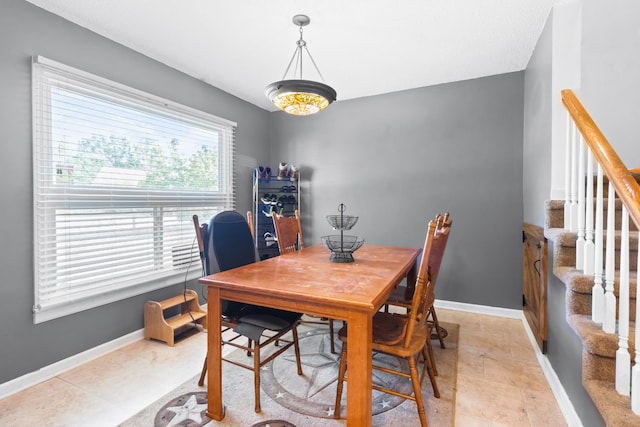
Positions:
(215, 409)
(359, 361)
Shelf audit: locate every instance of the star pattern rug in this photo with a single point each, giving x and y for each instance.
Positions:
(288, 399)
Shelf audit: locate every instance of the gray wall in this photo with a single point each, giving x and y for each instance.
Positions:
(26, 30)
(610, 88)
(536, 171)
(398, 159)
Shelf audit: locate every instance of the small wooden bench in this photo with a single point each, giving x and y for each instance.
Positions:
(158, 326)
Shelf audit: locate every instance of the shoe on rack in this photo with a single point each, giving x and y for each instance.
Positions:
(267, 173)
(266, 199)
(293, 172)
(283, 170)
(260, 172)
(269, 240)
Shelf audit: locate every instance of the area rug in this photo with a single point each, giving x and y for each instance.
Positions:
(308, 400)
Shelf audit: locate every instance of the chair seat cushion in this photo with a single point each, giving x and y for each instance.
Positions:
(255, 319)
(267, 318)
(266, 321)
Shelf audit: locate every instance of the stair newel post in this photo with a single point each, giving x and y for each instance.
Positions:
(623, 358)
(635, 371)
(609, 325)
(589, 247)
(567, 175)
(597, 293)
(573, 214)
(581, 205)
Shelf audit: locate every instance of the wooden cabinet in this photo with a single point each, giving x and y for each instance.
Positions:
(534, 293)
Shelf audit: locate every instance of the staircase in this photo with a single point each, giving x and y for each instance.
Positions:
(595, 241)
(599, 348)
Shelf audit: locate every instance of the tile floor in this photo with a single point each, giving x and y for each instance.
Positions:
(499, 381)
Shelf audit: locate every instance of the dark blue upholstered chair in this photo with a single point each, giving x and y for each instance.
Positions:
(226, 243)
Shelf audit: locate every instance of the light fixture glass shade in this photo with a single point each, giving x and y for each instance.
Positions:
(300, 97)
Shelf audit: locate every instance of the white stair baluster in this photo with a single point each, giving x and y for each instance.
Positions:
(597, 293)
(573, 214)
(635, 372)
(609, 325)
(581, 206)
(623, 358)
(567, 174)
(589, 247)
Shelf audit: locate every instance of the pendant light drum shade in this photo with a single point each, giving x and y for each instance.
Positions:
(300, 97)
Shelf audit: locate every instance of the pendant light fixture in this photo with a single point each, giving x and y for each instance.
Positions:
(297, 96)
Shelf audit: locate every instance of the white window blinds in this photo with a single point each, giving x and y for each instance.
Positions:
(118, 175)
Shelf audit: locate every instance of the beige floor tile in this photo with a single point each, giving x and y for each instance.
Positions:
(57, 403)
(499, 381)
(490, 401)
(543, 409)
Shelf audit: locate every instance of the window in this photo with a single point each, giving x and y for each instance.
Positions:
(118, 175)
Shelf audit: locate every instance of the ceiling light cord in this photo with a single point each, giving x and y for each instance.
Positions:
(297, 59)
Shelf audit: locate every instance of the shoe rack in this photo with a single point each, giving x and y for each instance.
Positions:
(276, 190)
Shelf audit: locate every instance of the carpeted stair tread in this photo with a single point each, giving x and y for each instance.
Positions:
(614, 408)
(561, 237)
(577, 281)
(554, 217)
(595, 340)
(565, 246)
(599, 348)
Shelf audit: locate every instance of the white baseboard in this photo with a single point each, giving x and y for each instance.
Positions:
(479, 309)
(569, 412)
(57, 368)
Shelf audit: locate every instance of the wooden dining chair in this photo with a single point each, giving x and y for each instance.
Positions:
(288, 232)
(402, 295)
(226, 243)
(405, 336)
(289, 236)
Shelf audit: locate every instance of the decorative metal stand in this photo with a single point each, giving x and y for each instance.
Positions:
(342, 246)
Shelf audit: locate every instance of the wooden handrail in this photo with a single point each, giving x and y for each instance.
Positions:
(625, 185)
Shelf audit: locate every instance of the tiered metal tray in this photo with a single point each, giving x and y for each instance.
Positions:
(342, 246)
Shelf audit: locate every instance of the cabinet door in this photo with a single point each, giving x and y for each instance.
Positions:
(534, 297)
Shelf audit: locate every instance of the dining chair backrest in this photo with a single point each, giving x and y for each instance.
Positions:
(229, 243)
(288, 233)
(423, 295)
(225, 242)
(442, 231)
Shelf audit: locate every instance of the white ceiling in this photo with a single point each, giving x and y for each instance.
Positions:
(362, 47)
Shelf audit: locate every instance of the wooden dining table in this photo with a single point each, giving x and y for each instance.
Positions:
(307, 282)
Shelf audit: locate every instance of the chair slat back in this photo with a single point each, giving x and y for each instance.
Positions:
(288, 233)
(423, 294)
(443, 228)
